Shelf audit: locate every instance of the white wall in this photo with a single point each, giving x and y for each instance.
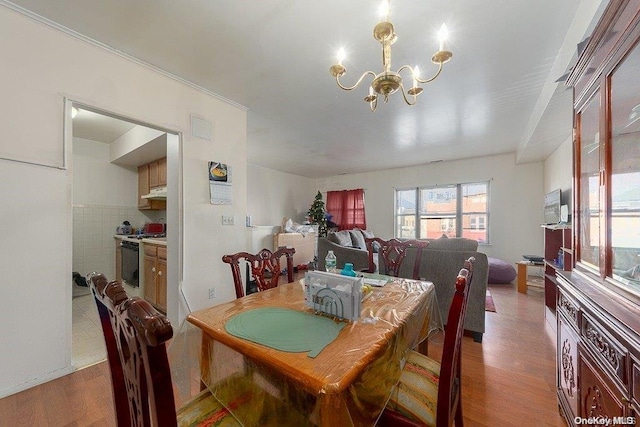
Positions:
(40, 66)
(272, 195)
(516, 198)
(558, 172)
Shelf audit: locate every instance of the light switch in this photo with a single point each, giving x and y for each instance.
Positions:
(228, 220)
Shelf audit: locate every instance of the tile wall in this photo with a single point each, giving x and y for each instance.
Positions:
(93, 229)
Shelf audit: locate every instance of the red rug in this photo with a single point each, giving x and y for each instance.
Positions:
(488, 303)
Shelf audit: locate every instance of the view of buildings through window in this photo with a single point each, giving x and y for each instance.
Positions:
(457, 210)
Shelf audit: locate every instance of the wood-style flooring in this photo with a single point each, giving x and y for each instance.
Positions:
(508, 380)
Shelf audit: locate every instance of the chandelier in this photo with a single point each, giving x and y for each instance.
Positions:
(388, 82)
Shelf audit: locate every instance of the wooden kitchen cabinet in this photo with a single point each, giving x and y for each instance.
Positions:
(152, 175)
(155, 275)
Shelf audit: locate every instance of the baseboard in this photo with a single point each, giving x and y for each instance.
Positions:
(37, 381)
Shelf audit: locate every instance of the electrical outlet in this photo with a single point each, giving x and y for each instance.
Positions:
(228, 220)
(212, 293)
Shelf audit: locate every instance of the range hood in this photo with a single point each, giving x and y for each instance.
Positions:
(159, 193)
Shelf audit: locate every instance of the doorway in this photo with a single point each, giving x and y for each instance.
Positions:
(106, 151)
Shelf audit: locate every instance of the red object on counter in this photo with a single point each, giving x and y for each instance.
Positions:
(154, 228)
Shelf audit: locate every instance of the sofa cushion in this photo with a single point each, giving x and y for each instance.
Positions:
(358, 238)
(368, 234)
(453, 244)
(342, 238)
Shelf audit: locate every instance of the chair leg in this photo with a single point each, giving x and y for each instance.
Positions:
(477, 336)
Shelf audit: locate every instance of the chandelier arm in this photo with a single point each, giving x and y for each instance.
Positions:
(419, 80)
(404, 95)
(357, 83)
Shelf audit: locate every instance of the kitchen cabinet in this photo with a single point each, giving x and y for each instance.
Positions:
(150, 176)
(155, 275)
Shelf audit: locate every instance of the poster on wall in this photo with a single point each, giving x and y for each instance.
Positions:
(220, 183)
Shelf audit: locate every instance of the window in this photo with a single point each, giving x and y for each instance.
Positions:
(457, 210)
(347, 208)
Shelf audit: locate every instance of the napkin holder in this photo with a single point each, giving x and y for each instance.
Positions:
(334, 294)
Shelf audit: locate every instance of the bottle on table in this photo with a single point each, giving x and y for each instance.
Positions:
(330, 262)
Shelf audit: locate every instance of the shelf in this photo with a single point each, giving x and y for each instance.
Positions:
(552, 278)
(567, 250)
(560, 226)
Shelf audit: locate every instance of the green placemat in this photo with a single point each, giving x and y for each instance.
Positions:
(284, 329)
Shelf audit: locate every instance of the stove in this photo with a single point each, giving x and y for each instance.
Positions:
(147, 236)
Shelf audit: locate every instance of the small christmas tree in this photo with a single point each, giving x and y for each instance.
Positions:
(317, 215)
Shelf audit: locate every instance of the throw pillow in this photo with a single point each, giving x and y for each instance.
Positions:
(369, 235)
(357, 238)
(342, 238)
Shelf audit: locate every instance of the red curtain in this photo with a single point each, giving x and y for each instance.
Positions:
(347, 208)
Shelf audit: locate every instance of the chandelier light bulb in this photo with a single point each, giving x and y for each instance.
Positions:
(384, 10)
(443, 35)
(416, 75)
(341, 55)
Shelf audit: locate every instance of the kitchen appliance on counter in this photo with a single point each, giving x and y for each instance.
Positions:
(125, 228)
(130, 262)
(154, 228)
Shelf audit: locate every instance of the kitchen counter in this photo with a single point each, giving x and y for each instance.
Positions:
(153, 240)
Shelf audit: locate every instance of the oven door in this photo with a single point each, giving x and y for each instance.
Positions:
(130, 262)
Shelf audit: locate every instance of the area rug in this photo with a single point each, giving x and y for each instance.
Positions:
(488, 303)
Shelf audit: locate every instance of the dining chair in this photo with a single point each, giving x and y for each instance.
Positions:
(391, 253)
(135, 335)
(428, 392)
(264, 268)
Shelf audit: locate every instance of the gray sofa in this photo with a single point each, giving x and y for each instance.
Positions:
(347, 246)
(441, 262)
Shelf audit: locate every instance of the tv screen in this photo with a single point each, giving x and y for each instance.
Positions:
(552, 207)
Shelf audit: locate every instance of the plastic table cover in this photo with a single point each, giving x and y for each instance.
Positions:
(348, 383)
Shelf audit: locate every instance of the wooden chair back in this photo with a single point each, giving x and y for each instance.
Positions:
(265, 268)
(135, 335)
(449, 406)
(391, 253)
(449, 388)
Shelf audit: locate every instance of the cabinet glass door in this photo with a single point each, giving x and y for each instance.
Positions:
(589, 203)
(625, 171)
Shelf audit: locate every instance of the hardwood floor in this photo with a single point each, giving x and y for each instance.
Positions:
(508, 380)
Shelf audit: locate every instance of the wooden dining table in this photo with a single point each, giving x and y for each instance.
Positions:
(351, 379)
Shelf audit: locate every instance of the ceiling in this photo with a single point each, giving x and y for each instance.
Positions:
(498, 94)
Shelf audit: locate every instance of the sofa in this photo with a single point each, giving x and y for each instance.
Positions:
(347, 246)
(441, 261)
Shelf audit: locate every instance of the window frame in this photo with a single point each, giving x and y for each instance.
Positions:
(459, 213)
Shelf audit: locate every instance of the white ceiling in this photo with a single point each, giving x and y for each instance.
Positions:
(497, 95)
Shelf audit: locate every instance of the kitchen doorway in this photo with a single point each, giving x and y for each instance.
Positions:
(106, 151)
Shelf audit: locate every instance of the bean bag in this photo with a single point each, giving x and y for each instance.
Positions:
(500, 271)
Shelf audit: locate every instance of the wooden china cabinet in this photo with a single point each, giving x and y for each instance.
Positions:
(598, 301)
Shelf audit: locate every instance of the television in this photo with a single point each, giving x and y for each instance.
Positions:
(552, 207)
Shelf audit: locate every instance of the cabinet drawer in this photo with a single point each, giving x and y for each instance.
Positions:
(568, 364)
(605, 348)
(569, 308)
(598, 396)
(162, 252)
(150, 250)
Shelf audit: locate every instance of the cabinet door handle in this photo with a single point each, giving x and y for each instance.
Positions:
(153, 269)
(160, 273)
